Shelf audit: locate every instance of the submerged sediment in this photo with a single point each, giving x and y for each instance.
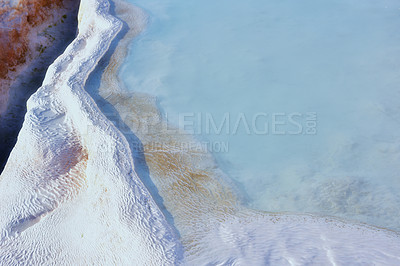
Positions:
(214, 225)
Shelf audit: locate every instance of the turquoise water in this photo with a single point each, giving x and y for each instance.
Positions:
(310, 90)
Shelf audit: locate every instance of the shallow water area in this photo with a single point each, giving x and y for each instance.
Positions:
(305, 94)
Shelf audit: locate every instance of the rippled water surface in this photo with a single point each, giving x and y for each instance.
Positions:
(297, 100)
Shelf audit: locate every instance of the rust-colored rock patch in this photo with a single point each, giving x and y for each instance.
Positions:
(16, 23)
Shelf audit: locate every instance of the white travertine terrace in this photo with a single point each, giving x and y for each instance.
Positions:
(70, 195)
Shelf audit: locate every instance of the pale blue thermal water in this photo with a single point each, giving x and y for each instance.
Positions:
(307, 95)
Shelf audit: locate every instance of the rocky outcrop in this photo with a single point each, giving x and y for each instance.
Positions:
(19, 23)
(32, 35)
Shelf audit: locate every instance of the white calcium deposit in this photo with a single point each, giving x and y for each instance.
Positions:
(69, 194)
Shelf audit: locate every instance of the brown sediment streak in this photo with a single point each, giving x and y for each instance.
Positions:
(63, 169)
(194, 190)
(69, 169)
(17, 22)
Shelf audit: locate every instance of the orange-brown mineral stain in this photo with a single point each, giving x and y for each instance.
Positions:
(19, 21)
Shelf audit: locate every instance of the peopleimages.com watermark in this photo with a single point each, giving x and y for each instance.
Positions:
(261, 123)
(280, 123)
(184, 146)
(203, 124)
